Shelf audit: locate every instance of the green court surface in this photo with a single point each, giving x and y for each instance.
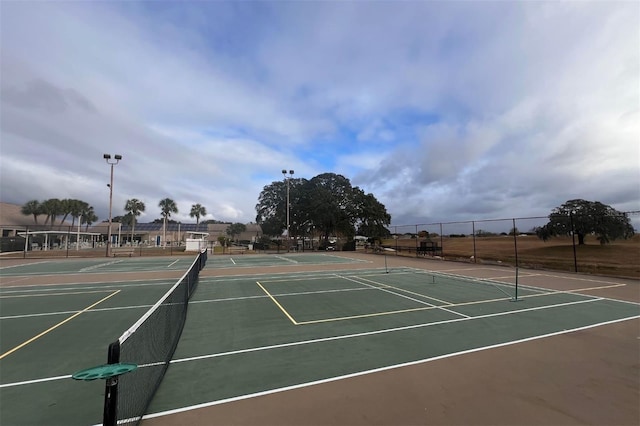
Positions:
(96, 266)
(275, 260)
(251, 333)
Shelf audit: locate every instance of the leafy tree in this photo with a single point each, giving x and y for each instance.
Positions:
(372, 217)
(198, 211)
(134, 207)
(223, 241)
(167, 206)
(586, 217)
(327, 203)
(272, 207)
(32, 207)
(235, 229)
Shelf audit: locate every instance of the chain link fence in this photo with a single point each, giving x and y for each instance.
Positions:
(516, 242)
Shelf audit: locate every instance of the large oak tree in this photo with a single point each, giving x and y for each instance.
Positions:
(586, 218)
(326, 205)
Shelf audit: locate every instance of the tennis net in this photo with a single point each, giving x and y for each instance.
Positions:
(149, 343)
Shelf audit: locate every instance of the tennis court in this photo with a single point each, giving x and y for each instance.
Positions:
(316, 339)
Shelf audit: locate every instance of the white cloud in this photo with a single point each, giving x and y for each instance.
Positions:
(442, 110)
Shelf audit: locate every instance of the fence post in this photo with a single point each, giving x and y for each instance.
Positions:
(26, 242)
(515, 241)
(67, 242)
(441, 242)
(573, 241)
(473, 230)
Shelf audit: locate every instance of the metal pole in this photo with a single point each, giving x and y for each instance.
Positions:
(395, 232)
(573, 241)
(26, 243)
(515, 241)
(515, 247)
(284, 173)
(473, 229)
(110, 413)
(288, 223)
(110, 206)
(78, 234)
(117, 159)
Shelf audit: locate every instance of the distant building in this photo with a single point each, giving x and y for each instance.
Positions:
(12, 222)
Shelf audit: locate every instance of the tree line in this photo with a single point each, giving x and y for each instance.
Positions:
(82, 211)
(54, 207)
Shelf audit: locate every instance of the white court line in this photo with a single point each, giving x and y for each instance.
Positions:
(100, 265)
(289, 260)
(30, 382)
(422, 302)
(232, 261)
(173, 263)
(44, 314)
(118, 284)
(383, 331)
(377, 370)
(24, 264)
(14, 281)
(348, 336)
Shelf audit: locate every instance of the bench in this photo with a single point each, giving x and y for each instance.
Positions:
(122, 251)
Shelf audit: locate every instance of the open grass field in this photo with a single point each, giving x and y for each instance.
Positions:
(620, 258)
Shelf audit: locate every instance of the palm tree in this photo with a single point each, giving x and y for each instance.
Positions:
(76, 208)
(167, 206)
(65, 208)
(88, 216)
(135, 207)
(197, 211)
(52, 208)
(32, 208)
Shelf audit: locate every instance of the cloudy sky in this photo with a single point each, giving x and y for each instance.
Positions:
(443, 110)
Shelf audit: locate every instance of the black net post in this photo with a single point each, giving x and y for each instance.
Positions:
(109, 417)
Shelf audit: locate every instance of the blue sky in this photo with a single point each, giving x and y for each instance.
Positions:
(443, 110)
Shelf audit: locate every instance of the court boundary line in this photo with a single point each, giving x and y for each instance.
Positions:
(5, 385)
(385, 288)
(277, 304)
(377, 370)
(23, 264)
(382, 331)
(40, 287)
(539, 292)
(33, 339)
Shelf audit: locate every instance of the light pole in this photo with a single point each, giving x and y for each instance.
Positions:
(573, 241)
(287, 178)
(116, 160)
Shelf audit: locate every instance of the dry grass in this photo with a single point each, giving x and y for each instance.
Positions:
(620, 258)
